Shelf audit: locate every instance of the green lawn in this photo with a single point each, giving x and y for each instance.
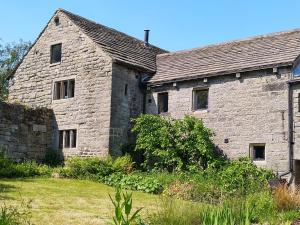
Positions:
(65, 202)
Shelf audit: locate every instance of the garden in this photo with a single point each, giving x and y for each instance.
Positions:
(171, 175)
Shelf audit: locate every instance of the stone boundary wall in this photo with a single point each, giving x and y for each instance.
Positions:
(25, 133)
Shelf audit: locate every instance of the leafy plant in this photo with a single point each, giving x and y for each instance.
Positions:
(242, 177)
(175, 145)
(138, 182)
(123, 208)
(9, 169)
(53, 158)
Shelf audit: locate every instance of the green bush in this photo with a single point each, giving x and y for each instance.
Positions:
(95, 168)
(175, 145)
(53, 158)
(134, 181)
(10, 169)
(243, 177)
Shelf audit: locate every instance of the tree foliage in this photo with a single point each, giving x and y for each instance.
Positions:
(183, 144)
(10, 56)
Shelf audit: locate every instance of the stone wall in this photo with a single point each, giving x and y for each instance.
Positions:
(251, 109)
(90, 110)
(25, 133)
(126, 104)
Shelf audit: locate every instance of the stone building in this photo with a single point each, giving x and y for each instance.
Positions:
(90, 76)
(95, 79)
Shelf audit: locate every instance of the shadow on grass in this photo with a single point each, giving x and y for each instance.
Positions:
(4, 189)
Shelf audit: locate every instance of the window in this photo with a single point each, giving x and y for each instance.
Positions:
(55, 53)
(258, 152)
(163, 99)
(200, 99)
(56, 21)
(67, 138)
(64, 89)
(126, 89)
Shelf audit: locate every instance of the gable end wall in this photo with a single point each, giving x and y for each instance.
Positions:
(82, 60)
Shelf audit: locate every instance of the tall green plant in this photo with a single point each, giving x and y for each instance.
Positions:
(183, 144)
(123, 207)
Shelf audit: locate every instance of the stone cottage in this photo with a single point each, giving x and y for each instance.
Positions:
(95, 79)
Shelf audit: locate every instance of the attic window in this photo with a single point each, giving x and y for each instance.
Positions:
(55, 53)
(56, 21)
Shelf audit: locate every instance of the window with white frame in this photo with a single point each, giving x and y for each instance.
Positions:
(64, 89)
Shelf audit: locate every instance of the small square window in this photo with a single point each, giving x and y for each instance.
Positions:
(200, 99)
(163, 101)
(258, 152)
(55, 53)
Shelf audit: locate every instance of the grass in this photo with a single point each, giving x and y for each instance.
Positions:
(64, 201)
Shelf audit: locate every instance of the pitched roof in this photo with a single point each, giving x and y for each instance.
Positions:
(120, 46)
(237, 56)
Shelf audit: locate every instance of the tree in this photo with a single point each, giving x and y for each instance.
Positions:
(10, 56)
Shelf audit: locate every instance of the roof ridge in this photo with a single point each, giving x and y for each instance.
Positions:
(247, 39)
(109, 28)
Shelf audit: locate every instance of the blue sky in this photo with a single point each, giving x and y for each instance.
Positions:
(174, 24)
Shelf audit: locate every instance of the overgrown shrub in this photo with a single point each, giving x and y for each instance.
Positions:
(243, 177)
(175, 145)
(95, 168)
(53, 158)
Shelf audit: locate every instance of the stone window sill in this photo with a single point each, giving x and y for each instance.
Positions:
(63, 100)
(200, 111)
(55, 64)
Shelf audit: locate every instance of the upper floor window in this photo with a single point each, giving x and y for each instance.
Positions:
(163, 101)
(55, 53)
(200, 99)
(64, 89)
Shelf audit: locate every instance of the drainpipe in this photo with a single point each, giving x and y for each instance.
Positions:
(290, 130)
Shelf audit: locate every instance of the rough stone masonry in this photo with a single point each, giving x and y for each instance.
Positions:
(246, 91)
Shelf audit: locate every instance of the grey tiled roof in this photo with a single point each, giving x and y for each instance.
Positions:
(120, 46)
(237, 56)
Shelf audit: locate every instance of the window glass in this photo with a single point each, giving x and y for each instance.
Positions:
(200, 99)
(55, 53)
(163, 101)
(258, 152)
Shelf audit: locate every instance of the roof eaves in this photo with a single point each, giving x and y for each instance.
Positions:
(221, 73)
